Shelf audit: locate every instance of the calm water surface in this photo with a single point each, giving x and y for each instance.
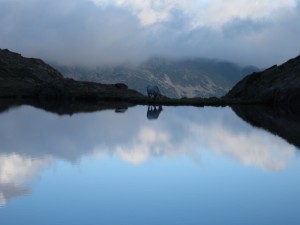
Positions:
(189, 166)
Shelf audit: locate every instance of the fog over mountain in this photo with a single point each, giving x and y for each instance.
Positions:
(94, 32)
(176, 78)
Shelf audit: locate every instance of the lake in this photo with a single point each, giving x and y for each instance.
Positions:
(169, 165)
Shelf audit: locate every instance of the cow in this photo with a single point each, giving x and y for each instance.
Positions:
(153, 112)
(153, 92)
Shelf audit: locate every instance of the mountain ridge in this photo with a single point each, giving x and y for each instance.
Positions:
(22, 78)
(177, 78)
(276, 85)
(29, 78)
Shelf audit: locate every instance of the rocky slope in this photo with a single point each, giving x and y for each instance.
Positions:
(276, 85)
(22, 77)
(195, 77)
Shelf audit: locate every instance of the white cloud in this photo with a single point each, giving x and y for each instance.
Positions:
(214, 13)
(19, 169)
(255, 148)
(219, 12)
(2, 199)
(16, 171)
(148, 143)
(148, 12)
(93, 32)
(251, 148)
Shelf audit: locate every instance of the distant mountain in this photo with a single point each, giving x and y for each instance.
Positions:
(276, 85)
(195, 77)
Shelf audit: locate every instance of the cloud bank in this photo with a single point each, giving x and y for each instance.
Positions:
(93, 32)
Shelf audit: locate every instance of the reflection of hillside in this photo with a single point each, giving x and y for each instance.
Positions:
(278, 121)
(65, 108)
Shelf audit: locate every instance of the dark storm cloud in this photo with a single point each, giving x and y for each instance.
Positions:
(237, 27)
(96, 32)
(77, 32)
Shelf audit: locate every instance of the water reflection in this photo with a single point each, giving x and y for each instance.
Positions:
(153, 112)
(284, 122)
(32, 139)
(10, 191)
(16, 171)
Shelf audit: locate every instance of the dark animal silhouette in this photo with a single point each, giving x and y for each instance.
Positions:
(153, 112)
(153, 92)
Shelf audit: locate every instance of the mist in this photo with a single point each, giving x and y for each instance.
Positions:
(101, 32)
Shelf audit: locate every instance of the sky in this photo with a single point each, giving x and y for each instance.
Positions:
(97, 32)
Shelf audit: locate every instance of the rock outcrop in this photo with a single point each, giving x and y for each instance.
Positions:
(276, 85)
(23, 78)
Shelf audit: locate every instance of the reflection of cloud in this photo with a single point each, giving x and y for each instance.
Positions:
(19, 169)
(10, 191)
(251, 149)
(183, 131)
(16, 171)
(254, 148)
(152, 142)
(148, 143)
(2, 199)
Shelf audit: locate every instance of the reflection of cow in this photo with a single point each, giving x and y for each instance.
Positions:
(153, 112)
(153, 92)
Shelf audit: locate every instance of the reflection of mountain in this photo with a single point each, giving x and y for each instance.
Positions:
(279, 121)
(65, 108)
